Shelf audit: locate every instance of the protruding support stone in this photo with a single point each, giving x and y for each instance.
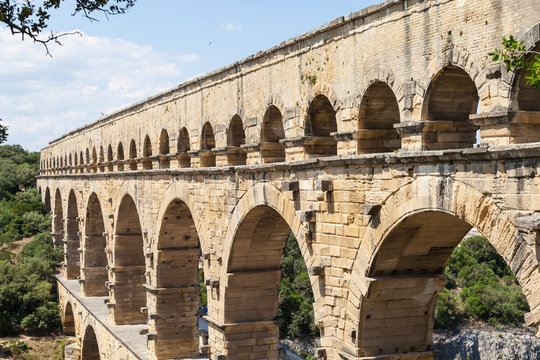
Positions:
(294, 148)
(411, 135)
(506, 128)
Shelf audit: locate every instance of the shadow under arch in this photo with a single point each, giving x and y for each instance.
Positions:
(253, 250)
(451, 97)
(400, 263)
(72, 239)
(68, 320)
(90, 347)
(94, 258)
(58, 219)
(47, 200)
(127, 292)
(175, 292)
(378, 112)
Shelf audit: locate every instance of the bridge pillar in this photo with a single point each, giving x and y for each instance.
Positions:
(94, 272)
(248, 340)
(173, 318)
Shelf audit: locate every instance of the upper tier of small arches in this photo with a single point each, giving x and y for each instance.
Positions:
(447, 122)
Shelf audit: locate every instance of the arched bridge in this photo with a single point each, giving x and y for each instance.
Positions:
(379, 140)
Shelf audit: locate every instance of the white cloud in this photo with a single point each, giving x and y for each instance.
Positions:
(230, 27)
(42, 98)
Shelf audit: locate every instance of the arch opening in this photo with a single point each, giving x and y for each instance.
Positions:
(58, 219)
(271, 133)
(47, 200)
(236, 155)
(68, 321)
(379, 111)
(405, 276)
(208, 142)
(450, 99)
(110, 159)
(120, 157)
(164, 150)
(94, 269)
(132, 155)
(147, 153)
(525, 97)
(90, 348)
(72, 240)
(127, 276)
(93, 165)
(178, 267)
(321, 123)
(251, 293)
(182, 149)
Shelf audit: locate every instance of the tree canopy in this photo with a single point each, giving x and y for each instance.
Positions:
(31, 18)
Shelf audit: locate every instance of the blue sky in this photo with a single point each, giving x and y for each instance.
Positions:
(155, 46)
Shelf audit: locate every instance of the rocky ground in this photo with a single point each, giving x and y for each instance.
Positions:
(469, 342)
(483, 342)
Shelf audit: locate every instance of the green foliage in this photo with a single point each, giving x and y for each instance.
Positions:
(28, 299)
(515, 57)
(3, 132)
(447, 310)
(18, 169)
(484, 288)
(27, 293)
(295, 294)
(203, 296)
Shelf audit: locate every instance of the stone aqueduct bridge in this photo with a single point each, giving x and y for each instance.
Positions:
(359, 137)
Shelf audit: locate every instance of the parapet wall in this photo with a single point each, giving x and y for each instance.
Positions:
(403, 45)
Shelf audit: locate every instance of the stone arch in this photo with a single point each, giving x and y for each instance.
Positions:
(94, 160)
(68, 320)
(208, 142)
(94, 258)
(87, 158)
(132, 155)
(268, 195)
(378, 112)
(70, 160)
(47, 200)
(75, 159)
(176, 292)
(58, 216)
(127, 276)
(147, 153)
(164, 147)
(253, 250)
(271, 133)
(110, 158)
(81, 158)
(236, 137)
(120, 156)
(449, 100)
(72, 240)
(407, 221)
(522, 96)
(90, 346)
(320, 124)
(183, 146)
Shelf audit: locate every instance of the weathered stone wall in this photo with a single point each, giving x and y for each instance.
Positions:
(403, 48)
(326, 136)
(340, 210)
